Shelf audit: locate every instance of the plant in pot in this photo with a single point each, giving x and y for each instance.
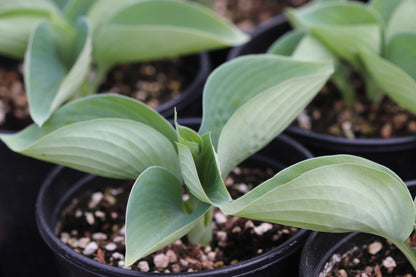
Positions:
(247, 103)
(366, 108)
(119, 137)
(68, 48)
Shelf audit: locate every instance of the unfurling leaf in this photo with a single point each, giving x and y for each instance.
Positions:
(53, 73)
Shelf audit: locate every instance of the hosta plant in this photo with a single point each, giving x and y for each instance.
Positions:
(60, 39)
(247, 102)
(376, 39)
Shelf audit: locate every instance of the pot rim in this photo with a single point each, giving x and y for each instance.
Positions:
(354, 145)
(92, 266)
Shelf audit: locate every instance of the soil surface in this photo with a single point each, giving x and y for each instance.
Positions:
(248, 14)
(153, 83)
(94, 226)
(328, 114)
(380, 258)
(14, 110)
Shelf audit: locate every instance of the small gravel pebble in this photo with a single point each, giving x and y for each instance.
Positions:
(375, 247)
(96, 198)
(90, 248)
(161, 261)
(389, 262)
(117, 256)
(83, 242)
(263, 228)
(220, 218)
(111, 247)
(90, 218)
(144, 266)
(99, 236)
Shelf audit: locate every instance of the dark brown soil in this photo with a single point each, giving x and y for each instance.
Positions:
(328, 114)
(153, 83)
(14, 111)
(247, 14)
(380, 258)
(94, 225)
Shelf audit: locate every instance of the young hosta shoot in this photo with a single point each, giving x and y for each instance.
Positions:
(247, 102)
(376, 39)
(60, 40)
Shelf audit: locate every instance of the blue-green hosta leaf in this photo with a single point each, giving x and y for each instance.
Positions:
(385, 8)
(394, 81)
(15, 32)
(88, 108)
(17, 20)
(401, 51)
(339, 14)
(333, 194)
(295, 15)
(61, 4)
(111, 147)
(265, 116)
(402, 20)
(109, 106)
(103, 10)
(301, 45)
(156, 29)
(338, 40)
(49, 80)
(201, 173)
(155, 216)
(235, 83)
(76, 8)
(189, 138)
(337, 24)
(28, 5)
(311, 49)
(287, 43)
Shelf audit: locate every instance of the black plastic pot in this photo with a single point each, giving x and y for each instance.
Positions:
(63, 184)
(399, 154)
(320, 247)
(22, 250)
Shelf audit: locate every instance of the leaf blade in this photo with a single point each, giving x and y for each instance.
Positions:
(110, 147)
(154, 216)
(48, 80)
(159, 29)
(262, 122)
(236, 82)
(396, 83)
(334, 194)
